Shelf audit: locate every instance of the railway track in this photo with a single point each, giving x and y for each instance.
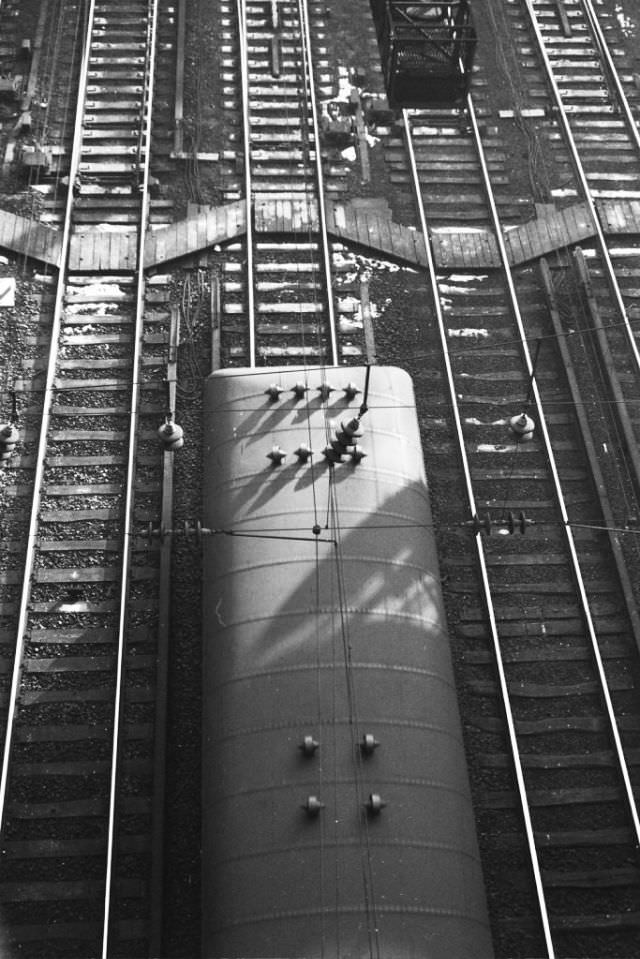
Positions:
(295, 285)
(78, 775)
(286, 309)
(532, 614)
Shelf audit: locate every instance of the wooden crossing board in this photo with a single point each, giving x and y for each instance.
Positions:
(214, 225)
(289, 214)
(554, 230)
(619, 216)
(356, 224)
(97, 250)
(22, 235)
(468, 250)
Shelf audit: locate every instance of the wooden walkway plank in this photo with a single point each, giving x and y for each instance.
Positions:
(556, 235)
(420, 248)
(635, 215)
(204, 226)
(161, 245)
(572, 225)
(515, 253)
(37, 245)
(384, 235)
(476, 251)
(117, 250)
(23, 235)
(176, 241)
(367, 229)
(442, 251)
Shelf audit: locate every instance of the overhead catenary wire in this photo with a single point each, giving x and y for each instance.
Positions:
(354, 723)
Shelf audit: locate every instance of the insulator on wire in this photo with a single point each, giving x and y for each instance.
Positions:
(309, 746)
(522, 426)
(348, 432)
(519, 522)
(193, 532)
(276, 455)
(171, 436)
(299, 390)
(273, 392)
(351, 391)
(155, 532)
(344, 443)
(480, 524)
(9, 437)
(332, 455)
(312, 806)
(375, 804)
(304, 452)
(325, 390)
(368, 744)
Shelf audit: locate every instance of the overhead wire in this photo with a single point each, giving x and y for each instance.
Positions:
(368, 886)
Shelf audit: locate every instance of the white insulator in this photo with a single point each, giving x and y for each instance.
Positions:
(332, 455)
(375, 803)
(351, 390)
(352, 428)
(276, 455)
(368, 744)
(273, 392)
(299, 390)
(522, 425)
(309, 745)
(9, 436)
(303, 452)
(171, 436)
(325, 390)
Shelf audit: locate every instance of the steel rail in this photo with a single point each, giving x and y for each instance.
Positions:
(482, 560)
(306, 54)
(556, 480)
(32, 532)
(156, 881)
(248, 189)
(146, 118)
(586, 609)
(603, 47)
(322, 214)
(579, 171)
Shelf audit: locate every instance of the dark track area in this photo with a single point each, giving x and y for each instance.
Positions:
(384, 310)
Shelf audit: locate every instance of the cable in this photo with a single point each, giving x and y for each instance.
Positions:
(365, 845)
